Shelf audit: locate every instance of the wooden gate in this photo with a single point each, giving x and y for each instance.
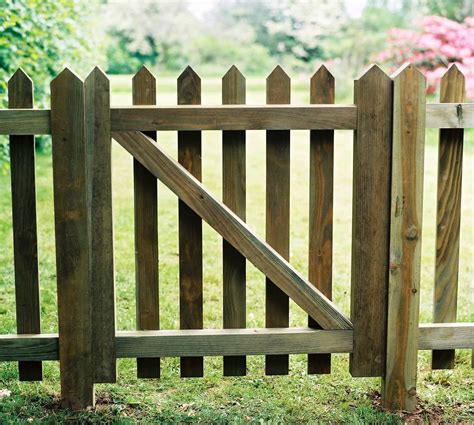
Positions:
(389, 116)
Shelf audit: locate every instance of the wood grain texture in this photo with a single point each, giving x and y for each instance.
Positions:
(277, 217)
(321, 182)
(233, 229)
(146, 232)
(445, 336)
(99, 142)
(264, 117)
(216, 342)
(450, 115)
(190, 227)
(448, 216)
(235, 117)
(71, 214)
(25, 237)
(371, 221)
(399, 383)
(233, 195)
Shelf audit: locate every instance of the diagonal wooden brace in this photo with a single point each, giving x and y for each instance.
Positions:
(233, 229)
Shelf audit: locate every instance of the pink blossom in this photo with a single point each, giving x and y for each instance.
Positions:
(436, 44)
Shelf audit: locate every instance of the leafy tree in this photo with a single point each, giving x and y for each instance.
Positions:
(152, 32)
(42, 36)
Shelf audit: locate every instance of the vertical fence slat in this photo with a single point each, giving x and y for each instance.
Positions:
(25, 239)
(146, 232)
(97, 99)
(321, 172)
(190, 227)
(277, 213)
(72, 240)
(233, 191)
(448, 216)
(371, 221)
(399, 386)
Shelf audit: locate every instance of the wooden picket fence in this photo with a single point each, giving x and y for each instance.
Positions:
(383, 336)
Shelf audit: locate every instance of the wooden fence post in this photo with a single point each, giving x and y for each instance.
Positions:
(371, 221)
(71, 214)
(233, 195)
(399, 383)
(99, 143)
(190, 227)
(146, 232)
(321, 171)
(448, 216)
(278, 213)
(25, 239)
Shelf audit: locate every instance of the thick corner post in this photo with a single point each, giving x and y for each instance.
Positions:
(371, 221)
(70, 179)
(399, 383)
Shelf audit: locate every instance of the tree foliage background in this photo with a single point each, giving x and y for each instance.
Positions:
(42, 36)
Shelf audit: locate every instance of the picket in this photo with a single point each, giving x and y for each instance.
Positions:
(321, 169)
(25, 238)
(190, 227)
(448, 216)
(233, 195)
(146, 232)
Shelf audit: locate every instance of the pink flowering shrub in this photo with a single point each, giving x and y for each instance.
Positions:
(439, 43)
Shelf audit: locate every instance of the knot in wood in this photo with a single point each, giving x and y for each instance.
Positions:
(411, 233)
(412, 391)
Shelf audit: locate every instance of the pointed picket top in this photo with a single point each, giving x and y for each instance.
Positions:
(143, 76)
(20, 77)
(233, 87)
(322, 86)
(189, 87)
(97, 78)
(67, 74)
(372, 70)
(20, 90)
(406, 69)
(98, 72)
(144, 87)
(278, 86)
(452, 85)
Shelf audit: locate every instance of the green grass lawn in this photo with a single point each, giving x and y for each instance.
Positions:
(445, 395)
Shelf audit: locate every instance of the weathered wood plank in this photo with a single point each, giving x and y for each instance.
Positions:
(450, 115)
(371, 221)
(233, 229)
(99, 142)
(216, 342)
(321, 171)
(233, 195)
(277, 216)
(25, 237)
(146, 232)
(71, 214)
(190, 227)
(25, 122)
(445, 336)
(399, 383)
(448, 216)
(244, 117)
(235, 117)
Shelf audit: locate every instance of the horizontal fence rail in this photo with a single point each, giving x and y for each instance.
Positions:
(233, 117)
(232, 342)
